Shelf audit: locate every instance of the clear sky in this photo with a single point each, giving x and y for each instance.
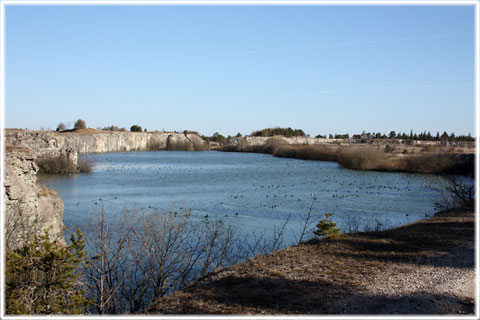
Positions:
(323, 69)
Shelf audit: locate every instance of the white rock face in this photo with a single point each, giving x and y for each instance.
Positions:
(260, 141)
(128, 141)
(29, 208)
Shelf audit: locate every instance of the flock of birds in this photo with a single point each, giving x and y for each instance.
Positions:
(340, 187)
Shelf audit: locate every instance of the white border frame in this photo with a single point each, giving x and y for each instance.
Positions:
(3, 3)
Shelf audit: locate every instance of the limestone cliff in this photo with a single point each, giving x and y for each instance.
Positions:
(29, 208)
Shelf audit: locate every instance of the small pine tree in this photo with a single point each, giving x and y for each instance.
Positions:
(43, 277)
(326, 228)
(388, 149)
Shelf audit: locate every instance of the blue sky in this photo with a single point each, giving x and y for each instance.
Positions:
(323, 69)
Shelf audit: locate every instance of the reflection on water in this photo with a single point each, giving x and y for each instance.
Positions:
(252, 192)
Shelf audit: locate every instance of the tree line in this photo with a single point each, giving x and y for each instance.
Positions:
(422, 136)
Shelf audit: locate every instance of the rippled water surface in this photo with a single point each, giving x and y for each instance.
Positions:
(252, 192)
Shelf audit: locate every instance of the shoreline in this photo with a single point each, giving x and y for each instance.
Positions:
(426, 267)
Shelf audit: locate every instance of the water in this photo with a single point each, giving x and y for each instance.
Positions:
(251, 192)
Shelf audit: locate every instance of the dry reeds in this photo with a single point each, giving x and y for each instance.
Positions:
(364, 158)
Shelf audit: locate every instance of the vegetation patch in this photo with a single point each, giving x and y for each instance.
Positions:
(62, 164)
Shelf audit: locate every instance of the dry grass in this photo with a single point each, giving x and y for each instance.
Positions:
(366, 157)
(315, 277)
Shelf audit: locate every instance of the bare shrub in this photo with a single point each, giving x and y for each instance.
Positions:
(307, 222)
(84, 165)
(145, 255)
(79, 124)
(351, 224)
(61, 126)
(55, 164)
(428, 148)
(428, 163)
(62, 164)
(457, 193)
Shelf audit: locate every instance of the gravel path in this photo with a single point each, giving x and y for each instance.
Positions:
(413, 289)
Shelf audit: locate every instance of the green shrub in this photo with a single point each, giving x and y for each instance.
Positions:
(326, 228)
(388, 149)
(405, 151)
(135, 128)
(43, 277)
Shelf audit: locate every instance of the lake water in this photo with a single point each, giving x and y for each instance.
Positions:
(251, 192)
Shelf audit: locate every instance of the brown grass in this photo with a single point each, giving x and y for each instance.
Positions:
(368, 157)
(321, 276)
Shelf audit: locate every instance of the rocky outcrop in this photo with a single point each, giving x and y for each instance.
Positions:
(94, 141)
(29, 208)
(261, 141)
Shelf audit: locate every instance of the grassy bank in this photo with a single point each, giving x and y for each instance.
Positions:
(365, 157)
(361, 273)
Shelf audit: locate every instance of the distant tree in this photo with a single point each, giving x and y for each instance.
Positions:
(444, 136)
(145, 130)
(135, 128)
(238, 135)
(286, 132)
(342, 136)
(330, 136)
(392, 135)
(79, 124)
(61, 126)
(452, 136)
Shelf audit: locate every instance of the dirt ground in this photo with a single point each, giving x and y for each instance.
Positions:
(423, 268)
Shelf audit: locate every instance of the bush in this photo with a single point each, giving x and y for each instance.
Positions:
(79, 124)
(113, 128)
(84, 166)
(405, 151)
(135, 128)
(43, 277)
(458, 193)
(429, 148)
(388, 149)
(326, 228)
(62, 164)
(61, 126)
